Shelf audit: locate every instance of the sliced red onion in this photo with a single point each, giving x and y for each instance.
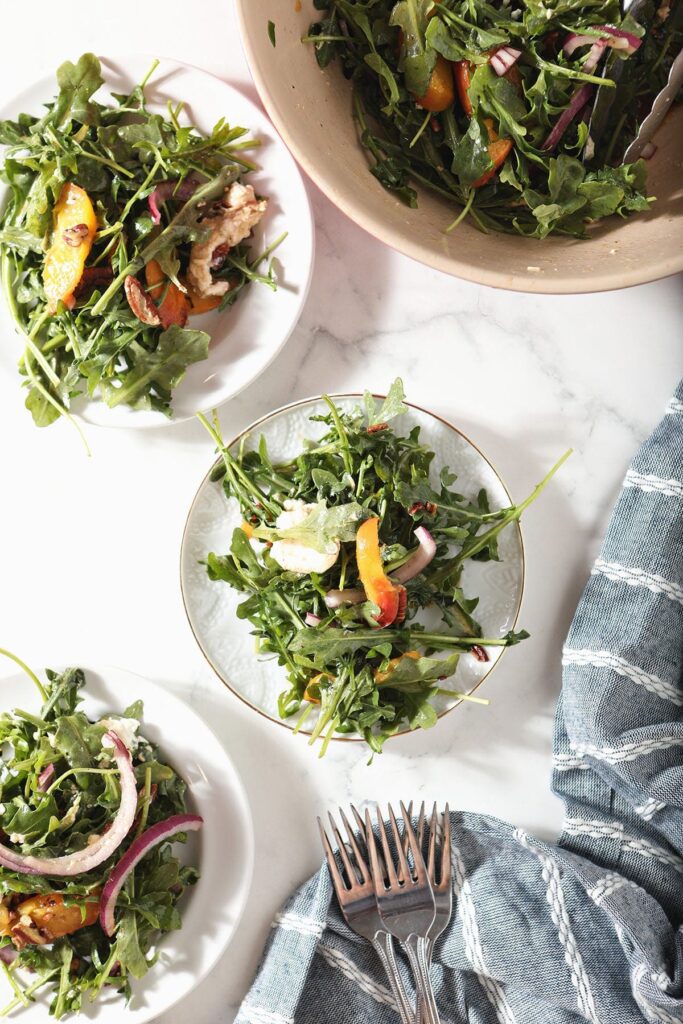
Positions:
(311, 619)
(85, 860)
(419, 560)
(609, 36)
(8, 954)
(136, 851)
(46, 777)
(576, 104)
(502, 60)
(166, 190)
(336, 598)
(648, 151)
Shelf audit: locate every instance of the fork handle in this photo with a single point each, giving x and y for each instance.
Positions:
(384, 945)
(416, 948)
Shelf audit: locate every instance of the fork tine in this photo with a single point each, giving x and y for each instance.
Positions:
(360, 859)
(418, 859)
(375, 866)
(420, 823)
(348, 866)
(446, 853)
(359, 821)
(332, 865)
(403, 865)
(433, 835)
(388, 859)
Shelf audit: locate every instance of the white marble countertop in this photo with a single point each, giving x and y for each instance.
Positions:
(89, 548)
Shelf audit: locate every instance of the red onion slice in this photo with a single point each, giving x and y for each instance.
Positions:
(336, 598)
(165, 190)
(46, 777)
(617, 38)
(85, 860)
(502, 60)
(576, 104)
(419, 560)
(311, 619)
(136, 851)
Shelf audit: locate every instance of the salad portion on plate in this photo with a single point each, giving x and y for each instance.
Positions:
(518, 112)
(120, 226)
(89, 879)
(351, 562)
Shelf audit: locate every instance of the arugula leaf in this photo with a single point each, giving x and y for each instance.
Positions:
(321, 528)
(411, 675)
(417, 59)
(77, 84)
(164, 368)
(392, 406)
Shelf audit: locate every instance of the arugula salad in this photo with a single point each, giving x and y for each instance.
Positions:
(120, 225)
(517, 111)
(341, 551)
(88, 878)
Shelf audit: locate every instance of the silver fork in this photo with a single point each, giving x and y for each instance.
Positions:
(406, 906)
(442, 886)
(356, 896)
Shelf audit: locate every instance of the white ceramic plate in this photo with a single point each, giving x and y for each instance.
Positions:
(247, 337)
(223, 849)
(227, 642)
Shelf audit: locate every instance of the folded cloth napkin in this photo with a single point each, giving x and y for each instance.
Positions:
(589, 929)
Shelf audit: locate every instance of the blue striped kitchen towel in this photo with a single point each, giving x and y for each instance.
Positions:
(588, 929)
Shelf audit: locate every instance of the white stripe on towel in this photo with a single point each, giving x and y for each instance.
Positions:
(648, 810)
(364, 982)
(257, 1015)
(635, 577)
(291, 922)
(607, 885)
(631, 844)
(628, 751)
(605, 659)
(650, 483)
(565, 762)
(474, 951)
(652, 1012)
(674, 408)
(560, 916)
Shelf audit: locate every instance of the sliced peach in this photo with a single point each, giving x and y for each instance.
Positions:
(440, 93)
(173, 305)
(73, 234)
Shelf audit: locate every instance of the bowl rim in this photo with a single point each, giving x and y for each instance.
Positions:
(665, 265)
(206, 479)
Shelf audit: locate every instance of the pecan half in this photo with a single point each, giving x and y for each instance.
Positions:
(479, 652)
(76, 235)
(140, 302)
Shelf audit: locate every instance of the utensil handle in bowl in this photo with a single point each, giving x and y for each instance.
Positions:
(384, 945)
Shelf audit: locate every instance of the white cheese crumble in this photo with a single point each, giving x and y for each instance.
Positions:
(125, 729)
(293, 556)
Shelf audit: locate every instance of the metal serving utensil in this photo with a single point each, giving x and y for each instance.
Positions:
(406, 905)
(356, 896)
(660, 108)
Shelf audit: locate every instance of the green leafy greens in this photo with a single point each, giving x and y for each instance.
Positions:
(118, 152)
(80, 802)
(365, 680)
(389, 50)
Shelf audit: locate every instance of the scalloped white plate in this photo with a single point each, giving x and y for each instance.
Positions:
(227, 642)
(247, 337)
(223, 849)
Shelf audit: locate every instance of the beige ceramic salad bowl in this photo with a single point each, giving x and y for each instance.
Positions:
(311, 109)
